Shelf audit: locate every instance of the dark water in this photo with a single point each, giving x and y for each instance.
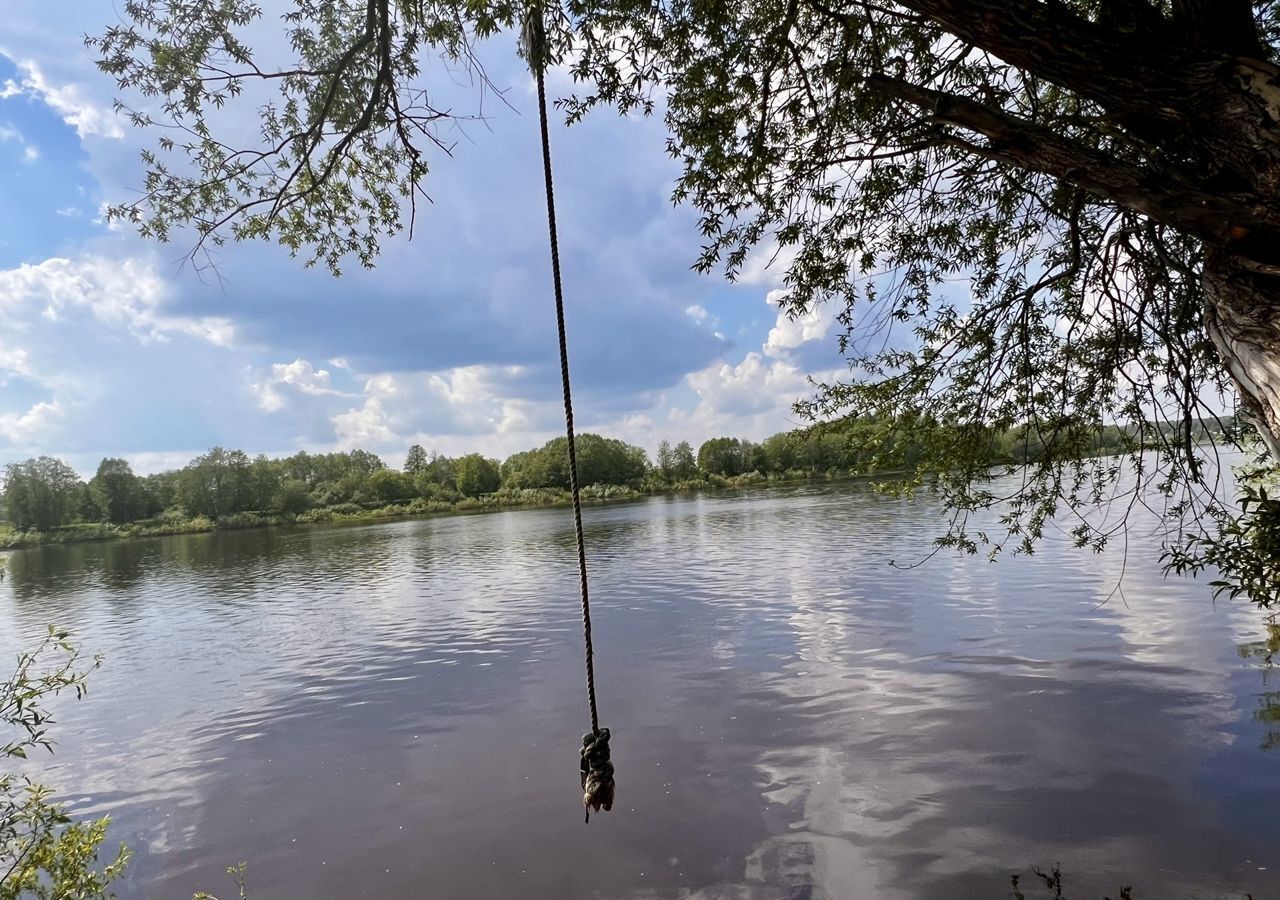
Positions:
(394, 711)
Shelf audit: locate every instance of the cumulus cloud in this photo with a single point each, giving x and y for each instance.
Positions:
(766, 264)
(30, 428)
(791, 332)
(299, 376)
(754, 397)
(127, 294)
(68, 100)
(468, 405)
(752, 386)
(15, 361)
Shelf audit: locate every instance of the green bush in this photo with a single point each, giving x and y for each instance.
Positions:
(315, 516)
(16, 540)
(170, 525)
(244, 520)
(607, 492)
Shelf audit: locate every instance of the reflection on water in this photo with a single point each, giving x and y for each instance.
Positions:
(1267, 713)
(394, 711)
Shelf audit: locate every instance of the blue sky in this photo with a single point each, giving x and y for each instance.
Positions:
(111, 346)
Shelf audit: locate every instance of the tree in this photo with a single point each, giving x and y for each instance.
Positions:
(1104, 176)
(666, 461)
(292, 497)
(263, 482)
(721, 456)
(218, 483)
(388, 485)
(683, 462)
(117, 492)
(160, 491)
(779, 452)
(41, 493)
(477, 475)
(416, 461)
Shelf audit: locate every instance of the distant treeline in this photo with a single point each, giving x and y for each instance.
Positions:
(45, 498)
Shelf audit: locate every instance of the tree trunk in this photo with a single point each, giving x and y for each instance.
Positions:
(1243, 320)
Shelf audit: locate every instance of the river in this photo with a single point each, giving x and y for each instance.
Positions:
(394, 710)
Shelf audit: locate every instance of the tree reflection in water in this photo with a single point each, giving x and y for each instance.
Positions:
(1267, 653)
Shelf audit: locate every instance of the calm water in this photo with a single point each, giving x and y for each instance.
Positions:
(393, 711)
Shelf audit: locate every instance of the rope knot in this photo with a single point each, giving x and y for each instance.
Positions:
(597, 772)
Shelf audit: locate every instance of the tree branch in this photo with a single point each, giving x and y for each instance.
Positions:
(1160, 196)
(1134, 76)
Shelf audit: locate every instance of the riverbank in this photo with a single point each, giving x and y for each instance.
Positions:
(171, 523)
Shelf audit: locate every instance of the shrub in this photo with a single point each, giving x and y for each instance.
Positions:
(242, 520)
(315, 516)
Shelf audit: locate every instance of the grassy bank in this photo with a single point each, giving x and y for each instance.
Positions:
(174, 523)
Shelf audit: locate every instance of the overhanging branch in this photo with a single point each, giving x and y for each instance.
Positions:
(1160, 196)
(1133, 76)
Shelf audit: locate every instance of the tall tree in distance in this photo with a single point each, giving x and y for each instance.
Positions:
(416, 461)
(683, 462)
(1103, 176)
(665, 460)
(117, 492)
(217, 483)
(477, 475)
(41, 493)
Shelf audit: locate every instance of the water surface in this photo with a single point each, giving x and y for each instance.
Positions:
(393, 711)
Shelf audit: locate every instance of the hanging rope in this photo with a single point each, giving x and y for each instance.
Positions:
(595, 768)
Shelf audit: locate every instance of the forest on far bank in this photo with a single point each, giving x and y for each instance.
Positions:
(45, 499)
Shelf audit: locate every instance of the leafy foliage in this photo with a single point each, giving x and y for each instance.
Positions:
(43, 853)
(1010, 204)
(476, 475)
(339, 129)
(1245, 546)
(416, 460)
(117, 493)
(41, 493)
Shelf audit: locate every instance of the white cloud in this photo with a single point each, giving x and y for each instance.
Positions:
(30, 154)
(299, 375)
(755, 385)
(30, 427)
(127, 294)
(68, 100)
(754, 397)
(767, 264)
(790, 332)
(161, 461)
(455, 410)
(15, 361)
(696, 312)
(368, 425)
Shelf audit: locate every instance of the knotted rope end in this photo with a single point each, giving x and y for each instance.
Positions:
(597, 773)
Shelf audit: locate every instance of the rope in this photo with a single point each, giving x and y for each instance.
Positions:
(596, 770)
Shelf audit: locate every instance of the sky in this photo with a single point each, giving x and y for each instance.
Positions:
(111, 345)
